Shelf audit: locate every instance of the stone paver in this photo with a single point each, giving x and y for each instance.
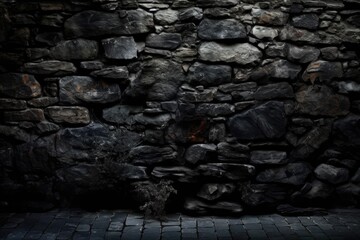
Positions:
(125, 225)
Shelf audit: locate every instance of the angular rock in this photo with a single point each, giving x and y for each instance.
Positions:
(78, 49)
(229, 171)
(150, 155)
(268, 157)
(271, 17)
(215, 3)
(329, 173)
(277, 49)
(303, 54)
(323, 71)
(91, 65)
(226, 29)
(261, 32)
(169, 41)
(120, 48)
(233, 87)
(114, 73)
(12, 104)
(214, 109)
(348, 87)
(283, 69)
(215, 191)
(94, 23)
(121, 114)
(166, 17)
(209, 75)
(45, 127)
(321, 101)
(200, 153)
(235, 152)
(299, 35)
(263, 195)
(43, 102)
(241, 53)
(292, 174)
(152, 120)
(68, 115)
(274, 90)
(266, 121)
(217, 132)
(30, 114)
(79, 89)
(194, 96)
(198, 207)
(179, 174)
(191, 14)
(50, 67)
(307, 21)
(159, 81)
(17, 85)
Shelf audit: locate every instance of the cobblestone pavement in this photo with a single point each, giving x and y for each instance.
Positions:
(122, 224)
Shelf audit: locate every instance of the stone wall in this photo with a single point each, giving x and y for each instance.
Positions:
(241, 105)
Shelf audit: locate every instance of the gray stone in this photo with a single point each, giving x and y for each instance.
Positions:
(200, 153)
(233, 152)
(179, 174)
(303, 54)
(217, 132)
(12, 104)
(323, 71)
(50, 67)
(263, 195)
(30, 114)
(79, 89)
(152, 120)
(68, 115)
(307, 21)
(214, 109)
(215, 191)
(209, 75)
(17, 85)
(331, 174)
(42, 102)
(91, 65)
(37, 53)
(261, 32)
(114, 73)
(120, 48)
(321, 101)
(150, 155)
(293, 174)
(265, 121)
(348, 87)
(195, 96)
(159, 81)
(274, 90)
(169, 41)
(283, 69)
(228, 171)
(78, 49)
(215, 3)
(199, 207)
(268, 157)
(210, 29)
(191, 14)
(241, 53)
(269, 17)
(166, 17)
(45, 127)
(299, 35)
(121, 114)
(233, 87)
(277, 49)
(94, 23)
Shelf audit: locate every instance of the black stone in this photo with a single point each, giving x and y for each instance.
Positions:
(209, 75)
(169, 41)
(273, 91)
(221, 29)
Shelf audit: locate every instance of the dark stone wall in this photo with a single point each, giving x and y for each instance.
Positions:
(220, 105)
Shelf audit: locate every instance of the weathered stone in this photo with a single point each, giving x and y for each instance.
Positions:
(30, 114)
(215, 191)
(12, 104)
(159, 81)
(307, 21)
(301, 35)
(180, 174)
(268, 157)
(229, 171)
(92, 65)
(283, 69)
(217, 133)
(209, 75)
(121, 114)
(120, 48)
(215, 109)
(79, 49)
(164, 40)
(210, 29)
(241, 53)
(166, 17)
(50, 67)
(273, 91)
(263, 195)
(261, 32)
(152, 120)
(19, 85)
(93, 23)
(332, 174)
(235, 152)
(232, 87)
(215, 3)
(195, 96)
(49, 38)
(68, 115)
(277, 49)
(150, 155)
(200, 153)
(45, 127)
(218, 12)
(264, 17)
(198, 207)
(191, 14)
(323, 71)
(37, 53)
(321, 101)
(348, 87)
(43, 102)
(265, 121)
(78, 89)
(302, 54)
(116, 72)
(293, 174)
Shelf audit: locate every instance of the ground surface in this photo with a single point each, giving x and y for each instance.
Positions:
(122, 224)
